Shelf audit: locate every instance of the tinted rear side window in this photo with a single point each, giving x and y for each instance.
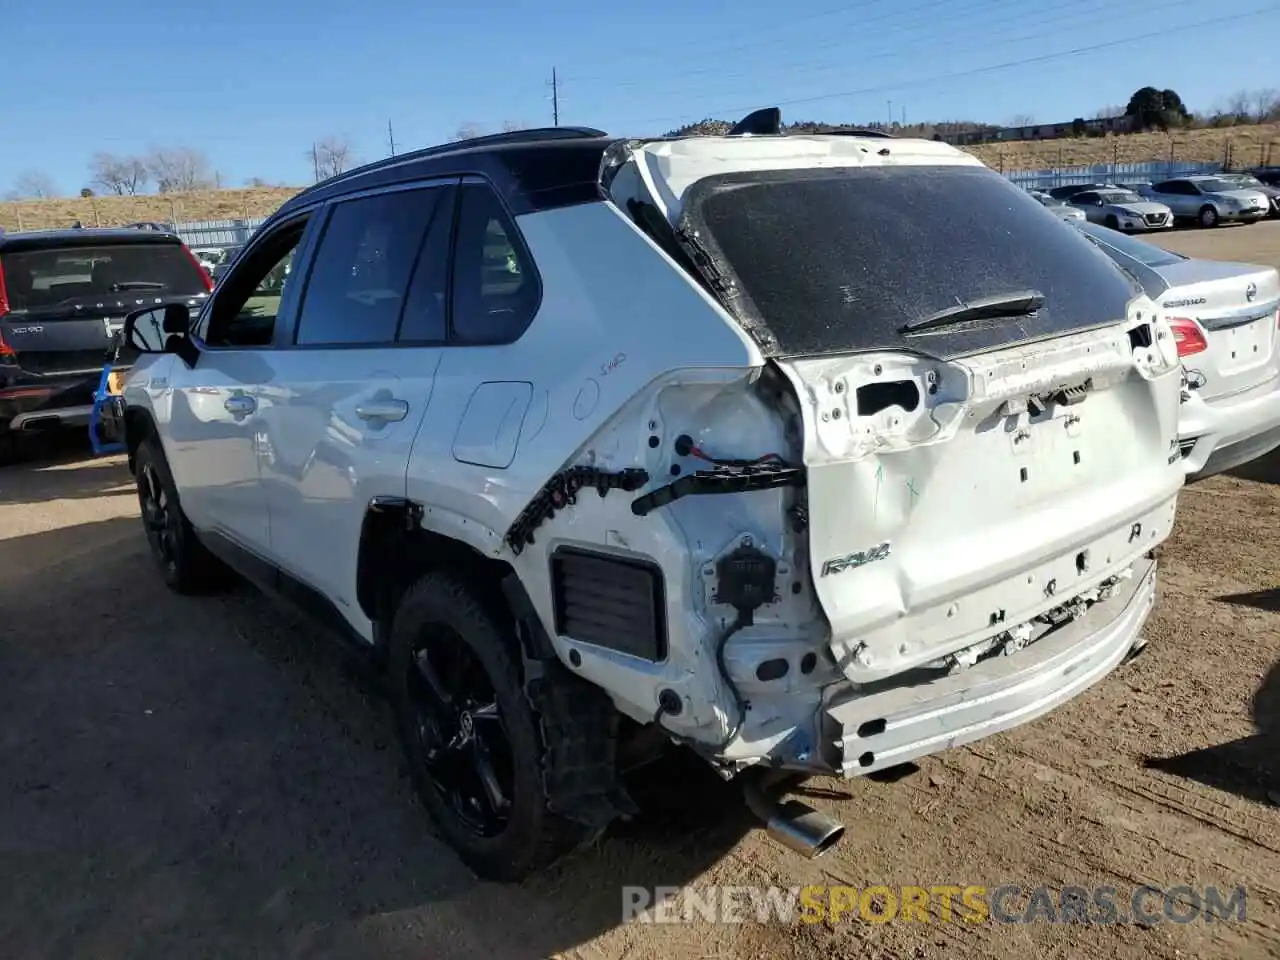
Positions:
(831, 261)
(42, 279)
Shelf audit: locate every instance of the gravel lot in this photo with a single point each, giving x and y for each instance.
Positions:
(198, 778)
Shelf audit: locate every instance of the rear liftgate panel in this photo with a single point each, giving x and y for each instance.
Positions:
(951, 502)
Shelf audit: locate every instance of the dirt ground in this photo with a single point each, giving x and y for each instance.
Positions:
(214, 778)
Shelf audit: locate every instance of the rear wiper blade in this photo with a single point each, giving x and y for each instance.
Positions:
(1018, 304)
(137, 285)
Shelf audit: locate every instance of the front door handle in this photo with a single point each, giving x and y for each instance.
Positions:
(240, 405)
(383, 410)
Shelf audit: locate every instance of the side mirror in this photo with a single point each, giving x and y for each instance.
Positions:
(164, 329)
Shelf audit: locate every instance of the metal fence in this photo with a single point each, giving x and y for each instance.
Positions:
(1149, 171)
(202, 234)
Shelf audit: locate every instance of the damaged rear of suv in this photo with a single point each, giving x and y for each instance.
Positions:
(942, 486)
(813, 454)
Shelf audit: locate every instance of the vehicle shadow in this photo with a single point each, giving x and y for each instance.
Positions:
(1265, 469)
(209, 776)
(61, 466)
(1248, 767)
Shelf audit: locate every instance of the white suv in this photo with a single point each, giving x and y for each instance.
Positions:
(813, 453)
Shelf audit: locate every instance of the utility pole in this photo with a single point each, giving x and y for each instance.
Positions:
(891, 113)
(315, 162)
(391, 139)
(555, 98)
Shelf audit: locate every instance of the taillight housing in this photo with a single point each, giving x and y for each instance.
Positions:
(1188, 336)
(200, 269)
(5, 349)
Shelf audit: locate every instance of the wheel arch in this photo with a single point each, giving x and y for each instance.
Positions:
(396, 550)
(138, 425)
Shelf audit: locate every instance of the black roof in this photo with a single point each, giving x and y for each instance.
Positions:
(78, 237)
(533, 169)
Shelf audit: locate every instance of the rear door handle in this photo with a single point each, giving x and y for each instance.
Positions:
(240, 405)
(383, 410)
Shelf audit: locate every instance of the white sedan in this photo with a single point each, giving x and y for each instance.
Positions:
(1224, 318)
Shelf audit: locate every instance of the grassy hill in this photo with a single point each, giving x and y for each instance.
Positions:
(1247, 145)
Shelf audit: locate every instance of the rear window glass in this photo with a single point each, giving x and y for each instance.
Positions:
(39, 279)
(1145, 253)
(831, 261)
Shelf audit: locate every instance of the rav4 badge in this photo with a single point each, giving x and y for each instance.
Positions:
(859, 558)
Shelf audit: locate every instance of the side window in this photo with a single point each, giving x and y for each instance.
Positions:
(1165, 186)
(426, 318)
(247, 301)
(1085, 199)
(495, 289)
(359, 277)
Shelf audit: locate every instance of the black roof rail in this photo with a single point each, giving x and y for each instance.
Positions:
(508, 137)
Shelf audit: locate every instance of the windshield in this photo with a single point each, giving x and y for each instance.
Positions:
(1119, 196)
(1049, 201)
(1145, 253)
(1244, 180)
(832, 261)
(1216, 185)
(41, 279)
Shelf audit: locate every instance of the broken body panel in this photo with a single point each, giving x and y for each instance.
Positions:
(991, 489)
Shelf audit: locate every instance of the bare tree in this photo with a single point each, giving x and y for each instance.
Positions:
(330, 156)
(468, 130)
(123, 176)
(1106, 113)
(32, 185)
(256, 183)
(1023, 120)
(179, 169)
(1239, 105)
(1266, 104)
(510, 126)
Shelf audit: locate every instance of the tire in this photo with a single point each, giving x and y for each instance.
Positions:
(185, 564)
(470, 734)
(1208, 216)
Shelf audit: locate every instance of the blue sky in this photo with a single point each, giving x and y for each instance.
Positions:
(253, 82)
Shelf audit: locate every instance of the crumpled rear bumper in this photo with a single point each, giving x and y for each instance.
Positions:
(884, 729)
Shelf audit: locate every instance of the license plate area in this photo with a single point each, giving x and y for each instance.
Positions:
(1245, 345)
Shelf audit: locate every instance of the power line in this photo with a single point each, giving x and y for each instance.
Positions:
(951, 37)
(704, 51)
(992, 68)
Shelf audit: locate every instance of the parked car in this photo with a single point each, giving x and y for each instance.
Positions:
(1224, 318)
(1057, 207)
(594, 442)
(1248, 181)
(225, 258)
(64, 295)
(1268, 175)
(1209, 200)
(1122, 210)
(1070, 190)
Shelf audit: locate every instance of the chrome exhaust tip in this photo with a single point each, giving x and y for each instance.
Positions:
(1135, 651)
(795, 825)
(804, 830)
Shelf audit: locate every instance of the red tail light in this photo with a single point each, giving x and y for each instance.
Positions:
(5, 349)
(1188, 336)
(204, 274)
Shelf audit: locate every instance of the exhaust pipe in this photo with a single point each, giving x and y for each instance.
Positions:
(795, 825)
(1139, 646)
